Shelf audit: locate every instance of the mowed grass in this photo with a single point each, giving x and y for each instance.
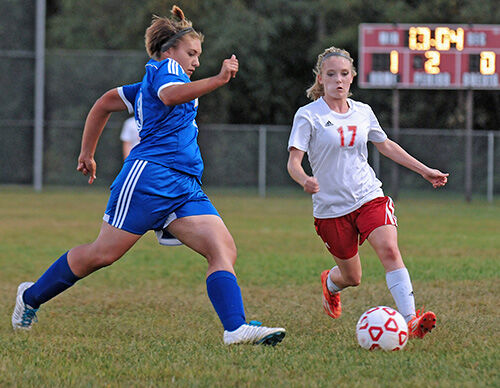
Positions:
(147, 321)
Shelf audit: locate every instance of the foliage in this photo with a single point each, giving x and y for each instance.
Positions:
(277, 42)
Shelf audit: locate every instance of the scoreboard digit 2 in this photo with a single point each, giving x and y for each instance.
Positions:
(429, 56)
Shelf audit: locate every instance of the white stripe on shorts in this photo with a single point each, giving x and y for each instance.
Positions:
(389, 213)
(126, 192)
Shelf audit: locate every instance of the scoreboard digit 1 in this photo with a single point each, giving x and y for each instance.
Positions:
(429, 56)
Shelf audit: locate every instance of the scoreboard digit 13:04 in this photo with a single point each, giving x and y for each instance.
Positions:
(429, 56)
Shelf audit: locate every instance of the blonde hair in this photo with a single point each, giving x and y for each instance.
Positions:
(316, 90)
(162, 29)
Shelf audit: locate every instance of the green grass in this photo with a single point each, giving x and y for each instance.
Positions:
(147, 321)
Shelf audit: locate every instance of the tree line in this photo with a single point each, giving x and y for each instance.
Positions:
(277, 43)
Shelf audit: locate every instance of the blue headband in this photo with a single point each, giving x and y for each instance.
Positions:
(170, 42)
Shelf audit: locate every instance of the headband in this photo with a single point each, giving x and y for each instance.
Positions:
(336, 54)
(170, 42)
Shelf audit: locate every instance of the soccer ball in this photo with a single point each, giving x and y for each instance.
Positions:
(382, 327)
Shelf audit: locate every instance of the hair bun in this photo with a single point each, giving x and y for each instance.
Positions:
(176, 11)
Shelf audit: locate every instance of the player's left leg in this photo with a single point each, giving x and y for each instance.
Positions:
(384, 240)
(208, 235)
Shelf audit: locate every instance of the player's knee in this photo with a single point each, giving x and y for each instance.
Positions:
(222, 254)
(390, 253)
(229, 253)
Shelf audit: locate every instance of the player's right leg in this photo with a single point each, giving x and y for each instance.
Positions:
(79, 262)
(341, 239)
(347, 273)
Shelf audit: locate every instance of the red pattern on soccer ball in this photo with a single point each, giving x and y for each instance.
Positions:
(403, 337)
(391, 325)
(375, 332)
(382, 327)
(365, 325)
(389, 311)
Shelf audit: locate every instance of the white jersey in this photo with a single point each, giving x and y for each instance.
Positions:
(130, 132)
(336, 145)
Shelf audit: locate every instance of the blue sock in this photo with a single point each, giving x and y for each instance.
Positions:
(55, 280)
(225, 295)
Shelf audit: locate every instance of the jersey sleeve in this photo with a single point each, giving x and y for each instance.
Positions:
(170, 73)
(301, 131)
(376, 134)
(128, 93)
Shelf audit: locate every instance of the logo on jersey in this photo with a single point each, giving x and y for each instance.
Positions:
(328, 124)
(139, 119)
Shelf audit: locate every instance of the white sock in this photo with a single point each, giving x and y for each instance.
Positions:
(332, 287)
(399, 284)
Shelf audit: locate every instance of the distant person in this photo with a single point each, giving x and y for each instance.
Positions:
(349, 205)
(129, 136)
(159, 186)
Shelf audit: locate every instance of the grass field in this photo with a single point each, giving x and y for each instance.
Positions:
(147, 321)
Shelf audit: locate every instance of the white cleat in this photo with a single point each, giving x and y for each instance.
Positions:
(255, 334)
(23, 316)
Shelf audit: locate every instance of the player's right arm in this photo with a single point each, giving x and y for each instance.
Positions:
(181, 93)
(298, 143)
(97, 118)
(296, 171)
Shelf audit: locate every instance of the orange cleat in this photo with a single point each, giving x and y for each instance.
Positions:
(420, 325)
(331, 302)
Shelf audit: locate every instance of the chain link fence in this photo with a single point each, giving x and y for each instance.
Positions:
(234, 155)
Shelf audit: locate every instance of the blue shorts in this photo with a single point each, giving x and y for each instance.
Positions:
(148, 196)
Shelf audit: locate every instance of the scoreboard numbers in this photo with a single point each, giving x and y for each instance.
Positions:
(429, 56)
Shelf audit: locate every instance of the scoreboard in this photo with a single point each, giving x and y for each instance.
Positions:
(429, 56)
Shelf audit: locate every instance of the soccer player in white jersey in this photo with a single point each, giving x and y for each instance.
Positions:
(349, 205)
(159, 186)
(129, 136)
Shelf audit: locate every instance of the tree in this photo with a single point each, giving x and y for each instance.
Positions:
(277, 42)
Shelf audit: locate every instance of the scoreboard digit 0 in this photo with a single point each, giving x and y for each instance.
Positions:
(429, 56)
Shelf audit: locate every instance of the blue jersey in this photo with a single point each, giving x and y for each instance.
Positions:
(168, 133)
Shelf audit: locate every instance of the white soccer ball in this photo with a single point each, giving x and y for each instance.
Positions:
(382, 327)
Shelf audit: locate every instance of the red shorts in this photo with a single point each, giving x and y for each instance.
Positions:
(341, 234)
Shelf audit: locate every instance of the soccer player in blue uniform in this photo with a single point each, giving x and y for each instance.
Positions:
(159, 186)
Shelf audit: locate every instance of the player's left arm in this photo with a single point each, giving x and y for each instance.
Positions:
(96, 120)
(395, 152)
(185, 92)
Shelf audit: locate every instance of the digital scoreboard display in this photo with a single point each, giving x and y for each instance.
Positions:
(429, 56)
